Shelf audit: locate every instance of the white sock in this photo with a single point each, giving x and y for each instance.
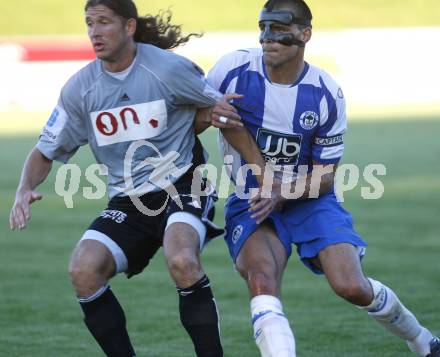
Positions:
(420, 345)
(272, 332)
(387, 309)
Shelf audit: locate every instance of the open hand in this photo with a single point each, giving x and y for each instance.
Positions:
(21, 212)
(224, 115)
(266, 201)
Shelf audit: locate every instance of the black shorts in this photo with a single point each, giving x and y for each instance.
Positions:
(140, 236)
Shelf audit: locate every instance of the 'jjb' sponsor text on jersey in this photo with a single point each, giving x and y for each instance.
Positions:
(294, 124)
(156, 101)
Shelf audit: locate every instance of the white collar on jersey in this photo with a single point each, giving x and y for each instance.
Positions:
(122, 75)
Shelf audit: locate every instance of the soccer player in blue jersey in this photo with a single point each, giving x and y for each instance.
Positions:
(134, 91)
(294, 117)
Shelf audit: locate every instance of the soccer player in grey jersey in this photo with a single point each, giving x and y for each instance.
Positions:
(134, 91)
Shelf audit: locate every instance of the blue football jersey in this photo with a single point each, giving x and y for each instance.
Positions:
(293, 125)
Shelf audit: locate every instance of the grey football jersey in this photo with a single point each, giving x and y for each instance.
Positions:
(137, 127)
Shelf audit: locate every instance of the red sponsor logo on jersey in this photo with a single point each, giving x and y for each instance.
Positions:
(154, 123)
(107, 117)
(134, 122)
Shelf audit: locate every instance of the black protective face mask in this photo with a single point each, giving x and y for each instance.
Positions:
(283, 17)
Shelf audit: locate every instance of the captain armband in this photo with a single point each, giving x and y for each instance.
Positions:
(329, 140)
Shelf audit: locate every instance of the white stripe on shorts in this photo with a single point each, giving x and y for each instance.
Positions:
(192, 220)
(94, 296)
(118, 255)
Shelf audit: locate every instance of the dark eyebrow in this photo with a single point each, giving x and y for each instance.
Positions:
(276, 24)
(100, 17)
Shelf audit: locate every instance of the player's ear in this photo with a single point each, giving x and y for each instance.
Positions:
(306, 34)
(130, 27)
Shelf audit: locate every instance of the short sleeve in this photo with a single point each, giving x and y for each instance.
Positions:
(65, 131)
(190, 87)
(226, 69)
(216, 75)
(328, 143)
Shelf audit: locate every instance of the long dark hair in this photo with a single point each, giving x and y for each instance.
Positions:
(155, 30)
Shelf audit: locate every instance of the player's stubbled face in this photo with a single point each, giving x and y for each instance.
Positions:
(276, 54)
(107, 32)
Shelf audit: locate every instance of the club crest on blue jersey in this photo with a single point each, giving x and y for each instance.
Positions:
(236, 234)
(308, 120)
(279, 148)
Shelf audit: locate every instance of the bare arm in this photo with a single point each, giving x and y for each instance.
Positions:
(315, 184)
(202, 121)
(242, 141)
(35, 170)
(320, 181)
(312, 185)
(205, 117)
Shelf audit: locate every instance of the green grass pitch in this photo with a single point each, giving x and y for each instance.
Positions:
(49, 17)
(39, 316)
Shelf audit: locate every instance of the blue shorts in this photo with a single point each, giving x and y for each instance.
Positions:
(311, 225)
